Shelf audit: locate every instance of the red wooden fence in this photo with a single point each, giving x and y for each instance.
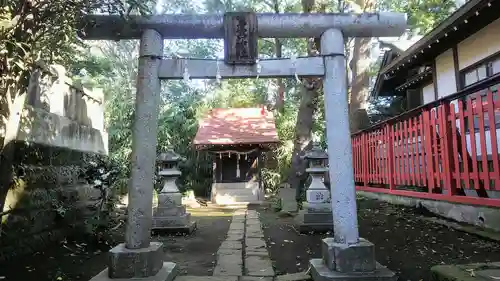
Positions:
(447, 150)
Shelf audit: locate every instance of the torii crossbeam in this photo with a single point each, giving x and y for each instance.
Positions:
(344, 254)
(269, 25)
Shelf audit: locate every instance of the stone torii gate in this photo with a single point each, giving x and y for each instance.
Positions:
(345, 256)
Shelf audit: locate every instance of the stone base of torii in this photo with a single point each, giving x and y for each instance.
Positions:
(345, 255)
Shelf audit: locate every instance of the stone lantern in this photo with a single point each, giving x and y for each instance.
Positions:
(317, 214)
(171, 215)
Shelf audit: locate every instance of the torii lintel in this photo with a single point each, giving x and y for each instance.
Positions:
(269, 25)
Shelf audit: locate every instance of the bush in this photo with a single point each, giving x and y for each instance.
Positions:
(102, 175)
(271, 180)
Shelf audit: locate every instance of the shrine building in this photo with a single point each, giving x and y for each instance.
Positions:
(237, 139)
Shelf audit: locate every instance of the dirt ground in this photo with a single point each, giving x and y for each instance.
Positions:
(404, 242)
(75, 260)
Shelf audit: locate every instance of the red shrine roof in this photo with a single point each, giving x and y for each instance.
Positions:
(237, 126)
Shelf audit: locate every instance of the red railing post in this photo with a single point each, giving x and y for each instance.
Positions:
(364, 158)
(390, 155)
(444, 142)
(447, 148)
(428, 150)
(491, 108)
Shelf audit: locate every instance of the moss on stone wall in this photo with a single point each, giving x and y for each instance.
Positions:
(47, 200)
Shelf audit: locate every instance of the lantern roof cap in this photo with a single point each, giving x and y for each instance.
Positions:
(316, 152)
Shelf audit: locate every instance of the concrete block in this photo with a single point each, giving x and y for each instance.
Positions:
(312, 218)
(234, 237)
(187, 228)
(358, 257)
(239, 217)
(255, 278)
(254, 227)
(320, 226)
(236, 226)
(229, 265)
(486, 217)
(252, 221)
(167, 221)
(258, 266)
(254, 234)
(236, 245)
(240, 211)
(206, 278)
(255, 244)
(167, 272)
(235, 232)
(315, 227)
(482, 271)
(299, 276)
(169, 211)
(135, 263)
(228, 251)
(320, 272)
(259, 253)
(252, 216)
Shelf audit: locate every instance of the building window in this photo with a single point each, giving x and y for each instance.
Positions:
(481, 71)
(495, 66)
(476, 74)
(480, 97)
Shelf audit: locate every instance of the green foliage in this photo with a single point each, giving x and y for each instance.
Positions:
(271, 180)
(32, 31)
(183, 104)
(44, 33)
(423, 15)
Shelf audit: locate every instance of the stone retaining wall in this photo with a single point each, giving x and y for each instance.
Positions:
(49, 199)
(60, 129)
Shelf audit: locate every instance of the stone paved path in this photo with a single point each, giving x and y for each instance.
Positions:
(243, 255)
(244, 251)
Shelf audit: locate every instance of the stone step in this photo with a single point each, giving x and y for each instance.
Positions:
(239, 205)
(237, 200)
(236, 191)
(223, 196)
(236, 185)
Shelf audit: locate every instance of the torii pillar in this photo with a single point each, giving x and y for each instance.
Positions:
(345, 255)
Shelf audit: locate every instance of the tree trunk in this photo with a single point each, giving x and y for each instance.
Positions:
(360, 66)
(308, 105)
(302, 140)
